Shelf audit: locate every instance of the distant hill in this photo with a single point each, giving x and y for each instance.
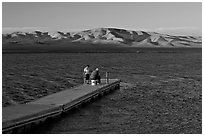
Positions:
(103, 36)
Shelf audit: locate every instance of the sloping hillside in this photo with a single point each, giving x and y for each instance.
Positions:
(104, 36)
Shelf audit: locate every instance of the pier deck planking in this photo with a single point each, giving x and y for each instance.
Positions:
(54, 104)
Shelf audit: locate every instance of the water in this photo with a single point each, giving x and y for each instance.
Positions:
(160, 90)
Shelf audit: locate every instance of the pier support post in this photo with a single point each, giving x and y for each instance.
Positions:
(107, 78)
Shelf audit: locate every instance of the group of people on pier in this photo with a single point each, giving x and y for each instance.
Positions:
(93, 77)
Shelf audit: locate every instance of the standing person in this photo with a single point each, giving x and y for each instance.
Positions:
(98, 77)
(86, 74)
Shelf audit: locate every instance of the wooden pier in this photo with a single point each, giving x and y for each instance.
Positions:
(21, 118)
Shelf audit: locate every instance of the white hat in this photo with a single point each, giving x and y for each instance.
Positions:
(97, 69)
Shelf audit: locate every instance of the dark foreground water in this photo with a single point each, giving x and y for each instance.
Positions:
(161, 90)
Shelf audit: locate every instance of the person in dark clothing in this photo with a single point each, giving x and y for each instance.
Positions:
(96, 76)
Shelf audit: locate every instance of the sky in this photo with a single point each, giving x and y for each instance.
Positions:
(176, 18)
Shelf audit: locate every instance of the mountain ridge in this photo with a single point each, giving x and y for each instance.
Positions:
(124, 37)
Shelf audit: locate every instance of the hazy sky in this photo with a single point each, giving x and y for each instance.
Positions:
(173, 18)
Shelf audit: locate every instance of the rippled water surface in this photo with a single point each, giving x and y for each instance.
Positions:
(160, 90)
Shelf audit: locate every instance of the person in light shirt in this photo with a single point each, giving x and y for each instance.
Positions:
(86, 74)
